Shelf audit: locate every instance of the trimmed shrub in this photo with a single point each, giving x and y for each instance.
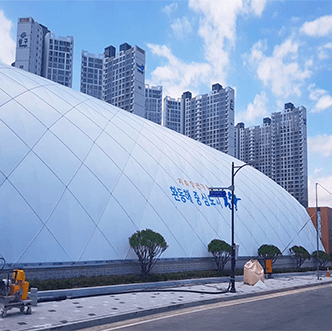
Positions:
(221, 252)
(300, 254)
(269, 252)
(323, 258)
(148, 246)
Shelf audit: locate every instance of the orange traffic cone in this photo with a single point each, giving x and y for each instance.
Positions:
(328, 272)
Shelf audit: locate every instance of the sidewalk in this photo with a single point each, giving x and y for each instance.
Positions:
(83, 312)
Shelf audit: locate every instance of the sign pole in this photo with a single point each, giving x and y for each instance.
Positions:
(219, 192)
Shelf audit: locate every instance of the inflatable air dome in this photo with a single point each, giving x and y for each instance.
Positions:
(79, 176)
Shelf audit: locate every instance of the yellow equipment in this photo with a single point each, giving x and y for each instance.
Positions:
(14, 294)
(20, 284)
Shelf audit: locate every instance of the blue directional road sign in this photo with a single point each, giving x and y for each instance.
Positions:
(217, 194)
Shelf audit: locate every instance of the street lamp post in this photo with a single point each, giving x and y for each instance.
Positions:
(219, 192)
(232, 289)
(317, 264)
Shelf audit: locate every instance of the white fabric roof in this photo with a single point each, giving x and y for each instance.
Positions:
(79, 176)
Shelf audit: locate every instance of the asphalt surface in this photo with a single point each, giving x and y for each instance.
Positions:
(96, 309)
(304, 309)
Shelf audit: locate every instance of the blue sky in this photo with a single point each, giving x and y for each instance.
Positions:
(270, 52)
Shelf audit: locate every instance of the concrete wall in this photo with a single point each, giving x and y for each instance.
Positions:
(132, 267)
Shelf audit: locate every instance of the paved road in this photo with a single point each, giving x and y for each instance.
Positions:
(303, 309)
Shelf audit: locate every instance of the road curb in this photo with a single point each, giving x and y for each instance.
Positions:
(118, 289)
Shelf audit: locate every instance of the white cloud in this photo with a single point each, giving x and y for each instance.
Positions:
(169, 9)
(255, 110)
(318, 28)
(181, 27)
(281, 71)
(324, 190)
(323, 51)
(321, 97)
(324, 102)
(255, 6)
(320, 145)
(8, 45)
(318, 171)
(217, 27)
(176, 76)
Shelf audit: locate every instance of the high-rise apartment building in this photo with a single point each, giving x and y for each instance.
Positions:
(238, 140)
(30, 45)
(173, 115)
(209, 118)
(247, 142)
(92, 66)
(153, 103)
(39, 51)
(289, 165)
(124, 78)
(58, 59)
(278, 148)
(117, 78)
(265, 155)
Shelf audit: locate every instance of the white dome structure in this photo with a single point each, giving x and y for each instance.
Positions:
(79, 176)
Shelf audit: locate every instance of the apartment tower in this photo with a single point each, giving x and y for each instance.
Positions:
(173, 115)
(153, 103)
(39, 51)
(209, 118)
(58, 59)
(124, 78)
(92, 66)
(289, 164)
(278, 148)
